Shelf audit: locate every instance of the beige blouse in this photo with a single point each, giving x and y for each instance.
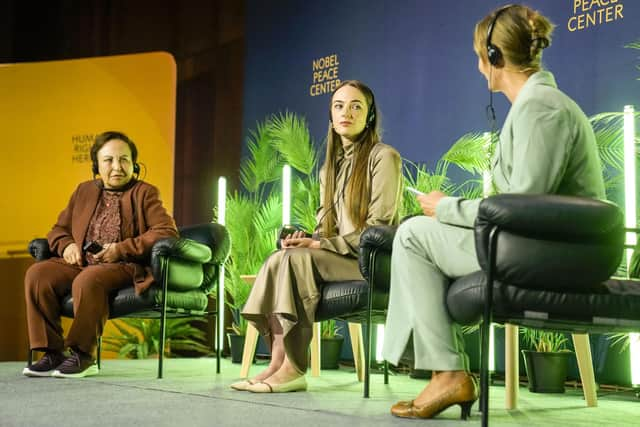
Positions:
(385, 176)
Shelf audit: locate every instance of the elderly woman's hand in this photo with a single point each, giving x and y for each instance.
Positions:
(107, 254)
(71, 254)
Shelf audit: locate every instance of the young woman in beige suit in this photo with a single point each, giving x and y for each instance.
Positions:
(359, 187)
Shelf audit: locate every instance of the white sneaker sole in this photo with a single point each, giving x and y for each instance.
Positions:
(90, 371)
(36, 374)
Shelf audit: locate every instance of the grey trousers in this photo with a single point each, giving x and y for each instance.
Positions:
(426, 255)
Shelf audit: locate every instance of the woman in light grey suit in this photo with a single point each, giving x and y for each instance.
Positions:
(359, 187)
(546, 146)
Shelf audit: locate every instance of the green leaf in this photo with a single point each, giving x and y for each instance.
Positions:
(470, 153)
(306, 200)
(290, 136)
(264, 164)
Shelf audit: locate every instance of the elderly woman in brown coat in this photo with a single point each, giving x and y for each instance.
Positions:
(103, 239)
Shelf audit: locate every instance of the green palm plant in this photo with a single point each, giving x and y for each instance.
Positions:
(290, 136)
(469, 154)
(138, 338)
(634, 45)
(609, 139)
(256, 209)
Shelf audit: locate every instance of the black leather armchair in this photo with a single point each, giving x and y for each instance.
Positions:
(546, 262)
(185, 270)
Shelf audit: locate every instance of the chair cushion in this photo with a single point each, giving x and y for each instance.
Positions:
(339, 298)
(125, 302)
(612, 304)
(184, 275)
(348, 300)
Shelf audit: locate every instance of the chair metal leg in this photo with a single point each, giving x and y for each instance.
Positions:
(385, 367)
(367, 356)
(369, 322)
(218, 349)
(163, 315)
(218, 340)
(99, 351)
(585, 366)
(486, 329)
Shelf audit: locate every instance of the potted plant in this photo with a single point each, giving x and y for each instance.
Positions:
(138, 338)
(256, 209)
(546, 360)
(238, 293)
(331, 344)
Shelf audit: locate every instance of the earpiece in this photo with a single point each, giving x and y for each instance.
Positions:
(493, 52)
(371, 114)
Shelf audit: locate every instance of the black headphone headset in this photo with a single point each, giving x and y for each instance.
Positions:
(371, 114)
(493, 52)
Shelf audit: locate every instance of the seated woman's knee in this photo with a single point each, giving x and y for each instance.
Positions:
(421, 225)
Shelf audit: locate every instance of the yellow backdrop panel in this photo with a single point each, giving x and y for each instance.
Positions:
(49, 114)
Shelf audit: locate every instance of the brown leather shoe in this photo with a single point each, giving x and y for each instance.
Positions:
(462, 392)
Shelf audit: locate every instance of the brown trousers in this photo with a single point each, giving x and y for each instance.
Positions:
(46, 282)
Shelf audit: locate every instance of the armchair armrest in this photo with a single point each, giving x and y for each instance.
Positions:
(545, 214)
(213, 235)
(187, 260)
(375, 256)
(195, 257)
(186, 249)
(546, 241)
(39, 249)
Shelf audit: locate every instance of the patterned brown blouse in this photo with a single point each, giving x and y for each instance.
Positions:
(105, 224)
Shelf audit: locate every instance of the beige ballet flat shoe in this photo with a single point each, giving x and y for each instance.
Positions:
(242, 385)
(298, 384)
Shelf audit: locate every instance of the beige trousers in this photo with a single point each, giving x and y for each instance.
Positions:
(288, 286)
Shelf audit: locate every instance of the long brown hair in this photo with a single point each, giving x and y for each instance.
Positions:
(358, 191)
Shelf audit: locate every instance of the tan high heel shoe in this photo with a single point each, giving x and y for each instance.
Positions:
(462, 392)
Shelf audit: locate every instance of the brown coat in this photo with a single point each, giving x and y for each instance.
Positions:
(144, 221)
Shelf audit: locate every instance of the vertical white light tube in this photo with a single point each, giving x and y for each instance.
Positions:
(222, 206)
(286, 194)
(629, 176)
(631, 220)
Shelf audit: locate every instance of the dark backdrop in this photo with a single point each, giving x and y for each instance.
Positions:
(205, 37)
